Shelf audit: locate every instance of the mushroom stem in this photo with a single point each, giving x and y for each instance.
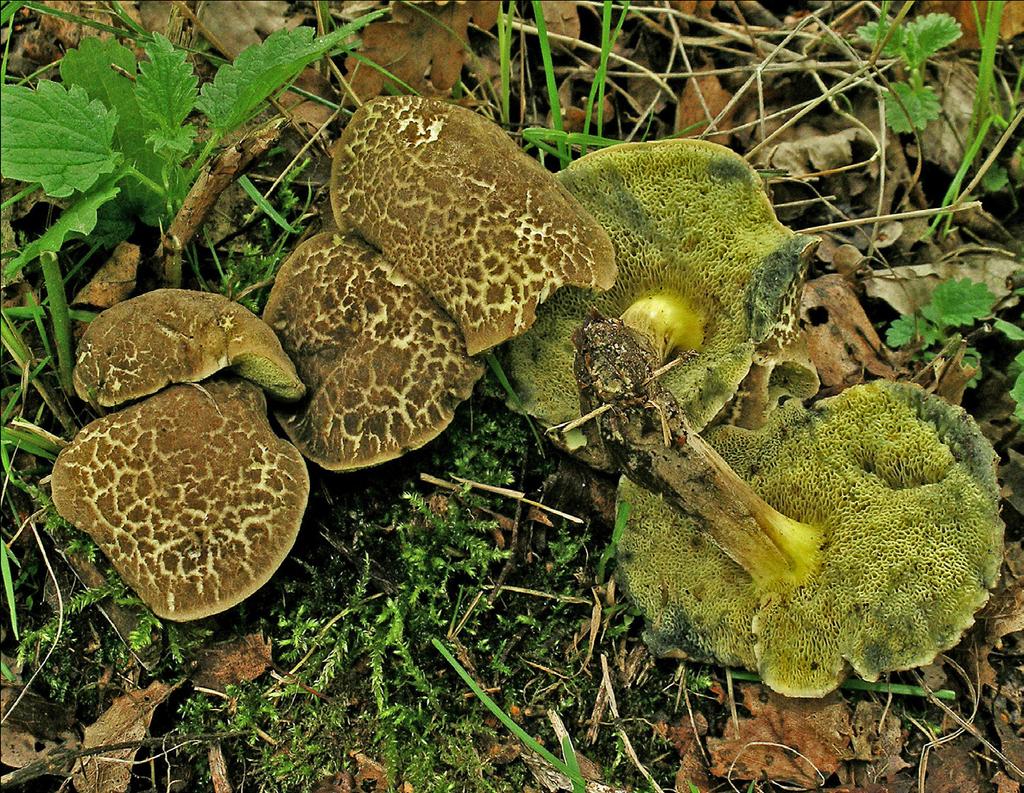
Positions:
(668, 322)
(766, 543)
(647, 434)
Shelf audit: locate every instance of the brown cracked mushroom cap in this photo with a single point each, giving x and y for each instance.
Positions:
(169, 336)
(706, 272)
(462, 212)
(190, 494)
(385, 367)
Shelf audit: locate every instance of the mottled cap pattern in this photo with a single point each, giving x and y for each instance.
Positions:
(902, 486)
(385, 367)
(459, 210)
(689, 220)
(190, 494)
(170, 336)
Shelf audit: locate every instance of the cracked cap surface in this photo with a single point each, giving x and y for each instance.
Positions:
(138, 346)
(190, 494)
(463, 213)
(385, 367)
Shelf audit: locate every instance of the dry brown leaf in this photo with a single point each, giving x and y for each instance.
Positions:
(233, 662)
(784, 740)
(114, 281)
(371, 776)
(878, 740)
(909, 288)
(1004, 784)
(842, 342)
(33, 729)
(953, 768)
(807, 150)
(943, 142)
(691, 118)
(562, 17)
(237, 24)
(419, 38)
(337, 783)
(127, 719)
(963, 11)
(697, 8)
(692, 767)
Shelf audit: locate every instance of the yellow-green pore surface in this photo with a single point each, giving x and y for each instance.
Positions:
(690, 224)
(902, 486)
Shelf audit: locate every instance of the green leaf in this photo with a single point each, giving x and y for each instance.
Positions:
(89, 66)
(1012, 332)
(79, 218)
(927, 35)
(1017, 395)
(873, 32)
(902, 331)
(259, 70)
(167, 90)
(922, 106)
(956, 303)
(55, 137)
(995, 178)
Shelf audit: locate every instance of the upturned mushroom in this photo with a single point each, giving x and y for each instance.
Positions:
(448, 239)
(862, 533)
(137, 347)
(189, 493)
(706, 273)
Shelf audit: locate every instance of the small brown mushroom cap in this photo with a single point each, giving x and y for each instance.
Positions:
(385, 366)
(169, 336)
(462, 212)
(190, 494)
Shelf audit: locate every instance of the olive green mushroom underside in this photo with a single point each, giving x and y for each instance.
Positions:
(170, 336)
(384, 366)
(902, 486)
(190, 494)
(461, 211)
(690, 220)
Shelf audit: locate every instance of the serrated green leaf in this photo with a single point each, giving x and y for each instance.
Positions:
(166, 89)
(902, 331)
(55, 137)
(79, 218)
(1011, 331)
(995, 178)
(923, 106)
(957, 303)
(259, 70)
(873, 32)
(89, 67)
(927, 35)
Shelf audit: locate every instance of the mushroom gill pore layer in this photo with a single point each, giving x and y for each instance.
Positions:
(705, 269)
(901, 488)
(190, 495)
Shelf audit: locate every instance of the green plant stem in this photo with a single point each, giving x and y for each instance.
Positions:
(501, 716)
(14, 199)
(60, 318)
(505, 59)
(549, 77)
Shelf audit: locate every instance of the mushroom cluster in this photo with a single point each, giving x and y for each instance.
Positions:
(862, 533)
(448, 239)
(188, 491)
